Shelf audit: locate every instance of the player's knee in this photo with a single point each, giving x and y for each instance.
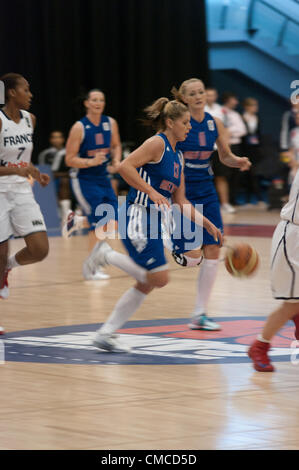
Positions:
(161, 283)
(41, 252)
(211, 251)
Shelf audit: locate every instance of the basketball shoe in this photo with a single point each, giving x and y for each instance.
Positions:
(202, 322)
(4, 290)
(258, 353)
(71, 223)
(93, 265)
(109, 343)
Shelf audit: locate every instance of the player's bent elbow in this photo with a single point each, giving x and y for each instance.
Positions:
(68, 160)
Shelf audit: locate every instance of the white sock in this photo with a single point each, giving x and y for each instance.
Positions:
(80, 221)
(127, 305)
(65, 204)
(205, 282)
(12, 262)
(125, 263)
(260, 338)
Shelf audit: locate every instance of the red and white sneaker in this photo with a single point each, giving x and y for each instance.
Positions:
(69, 224)
(296, 321)
(4, 290)
(2, 330)
(258, 353)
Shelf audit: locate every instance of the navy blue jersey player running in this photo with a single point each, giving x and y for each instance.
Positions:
(93, 150)
(155, 173)
(197, 149)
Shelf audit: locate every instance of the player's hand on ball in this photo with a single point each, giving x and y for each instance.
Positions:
(244, 164)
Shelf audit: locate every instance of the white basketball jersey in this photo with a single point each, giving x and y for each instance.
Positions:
(290, 211)
(16, 144)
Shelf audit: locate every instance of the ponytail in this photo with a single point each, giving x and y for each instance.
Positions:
(162, 109)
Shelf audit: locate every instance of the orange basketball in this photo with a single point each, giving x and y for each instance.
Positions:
(241, 260)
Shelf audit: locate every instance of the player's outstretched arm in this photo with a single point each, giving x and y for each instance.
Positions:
(225, 154)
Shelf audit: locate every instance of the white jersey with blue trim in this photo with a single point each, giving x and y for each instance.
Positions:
(290, 210)
(16, 145)
(164, 176)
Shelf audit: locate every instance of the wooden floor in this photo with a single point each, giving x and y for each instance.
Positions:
(184, 406)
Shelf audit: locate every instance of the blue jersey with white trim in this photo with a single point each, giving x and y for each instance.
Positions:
(164, 176)
(197, 150)
(96, 138)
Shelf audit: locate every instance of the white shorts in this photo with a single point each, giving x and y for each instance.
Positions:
(20, 215)
(285, 262)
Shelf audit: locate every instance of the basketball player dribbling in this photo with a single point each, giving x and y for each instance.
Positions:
(155, 173)
(92, 144)
(20, 214)
(197, 149)
(284, 280)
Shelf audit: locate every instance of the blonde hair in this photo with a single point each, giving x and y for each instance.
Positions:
(179, 93)
(162, 109)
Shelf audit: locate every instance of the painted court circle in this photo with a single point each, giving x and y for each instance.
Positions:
(167, 341)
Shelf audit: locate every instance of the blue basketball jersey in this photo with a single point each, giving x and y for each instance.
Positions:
(164, 176)
(197, 150)
(96, 138)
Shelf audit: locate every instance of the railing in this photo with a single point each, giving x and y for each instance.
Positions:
(256, 17)
(286, 20)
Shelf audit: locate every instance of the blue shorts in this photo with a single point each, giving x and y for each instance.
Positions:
(142, 237)
(97, 200)
(193, 236)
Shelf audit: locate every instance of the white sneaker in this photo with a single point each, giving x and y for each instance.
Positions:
(202, 322)
(228, 208)
(109, 343)
(99, 253)
(92, 273)
(96, 260)
(99, 275)
(69, 224)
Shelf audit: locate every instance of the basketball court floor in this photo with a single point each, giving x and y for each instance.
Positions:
(179, 389)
